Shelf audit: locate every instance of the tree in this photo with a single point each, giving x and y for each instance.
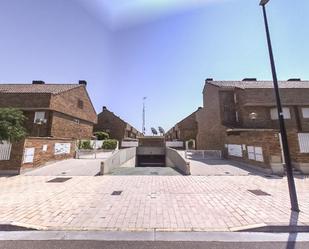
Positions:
(101, 135)
(12, 125)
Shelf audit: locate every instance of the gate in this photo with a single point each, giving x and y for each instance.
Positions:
(5, 151)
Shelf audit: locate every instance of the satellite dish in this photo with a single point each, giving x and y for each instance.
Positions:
(41, 121)
(161, 130)
(154, 131)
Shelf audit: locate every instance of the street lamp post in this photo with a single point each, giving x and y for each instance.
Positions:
(286, 152)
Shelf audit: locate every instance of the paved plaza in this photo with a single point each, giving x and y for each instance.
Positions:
(72, 167)
(164, 203)
(210, 167)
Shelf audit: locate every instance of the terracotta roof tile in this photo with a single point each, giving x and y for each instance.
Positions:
(36, 88)
(259, 84)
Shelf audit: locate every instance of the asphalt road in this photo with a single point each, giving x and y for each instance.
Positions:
(148, 245)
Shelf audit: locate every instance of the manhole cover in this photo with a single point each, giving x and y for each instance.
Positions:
(154, 173)
(59, 179)
(259, 192)
(117, 193)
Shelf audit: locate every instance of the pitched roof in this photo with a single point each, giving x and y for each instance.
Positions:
(37, 88)
(258, 84)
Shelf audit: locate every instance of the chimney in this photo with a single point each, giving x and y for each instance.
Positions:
(249, 79)
(104, 108)
(209, 79)
(38, 82)
(294, 79)
(82, 82)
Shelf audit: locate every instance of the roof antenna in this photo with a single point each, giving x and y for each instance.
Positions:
(144, 116)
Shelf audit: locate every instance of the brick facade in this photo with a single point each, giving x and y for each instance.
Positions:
(115, 126)
(65, 118)
(68, 112)
(184, 130)
(225, 119)
(210, 128)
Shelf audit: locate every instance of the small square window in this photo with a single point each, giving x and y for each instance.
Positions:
(38, 116)
(285, 110)
(80, 104)
(305, 111)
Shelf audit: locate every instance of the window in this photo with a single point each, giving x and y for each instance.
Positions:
(305, 111)
(285, 110)
(255, 153)
(303, 141)
(80, 104)
(39, 116)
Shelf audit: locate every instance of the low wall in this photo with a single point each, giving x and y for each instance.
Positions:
(46, 150)
(122, 157)
(175, 160)
(35, 152)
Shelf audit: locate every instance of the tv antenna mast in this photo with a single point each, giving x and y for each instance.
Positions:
(144, 116)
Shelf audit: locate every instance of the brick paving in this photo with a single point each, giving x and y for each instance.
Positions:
(174, 203)
(206, 167)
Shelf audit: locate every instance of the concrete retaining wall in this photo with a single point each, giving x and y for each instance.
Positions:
(175, 160)
(123, 157)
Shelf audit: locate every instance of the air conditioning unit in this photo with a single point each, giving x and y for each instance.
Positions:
(41, 121)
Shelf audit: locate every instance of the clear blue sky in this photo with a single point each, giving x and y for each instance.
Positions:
(130, 49)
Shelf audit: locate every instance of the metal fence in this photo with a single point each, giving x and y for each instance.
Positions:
(203, 154)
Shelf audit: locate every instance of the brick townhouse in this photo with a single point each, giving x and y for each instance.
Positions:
(115, 126)
(56, 116)
(184, 130)
(240, 118)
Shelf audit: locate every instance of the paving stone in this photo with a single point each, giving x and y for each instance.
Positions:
(197, 203)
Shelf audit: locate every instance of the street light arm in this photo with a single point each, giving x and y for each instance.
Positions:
(264, 2)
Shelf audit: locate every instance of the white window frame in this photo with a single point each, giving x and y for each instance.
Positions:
(255, 153)
(274, 113)
(5, 151)
(39, 116)
(303, 141)
(305, 112)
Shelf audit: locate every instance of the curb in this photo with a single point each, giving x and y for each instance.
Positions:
(153, 236)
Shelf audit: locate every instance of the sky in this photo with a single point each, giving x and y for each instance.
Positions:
(161, 49)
